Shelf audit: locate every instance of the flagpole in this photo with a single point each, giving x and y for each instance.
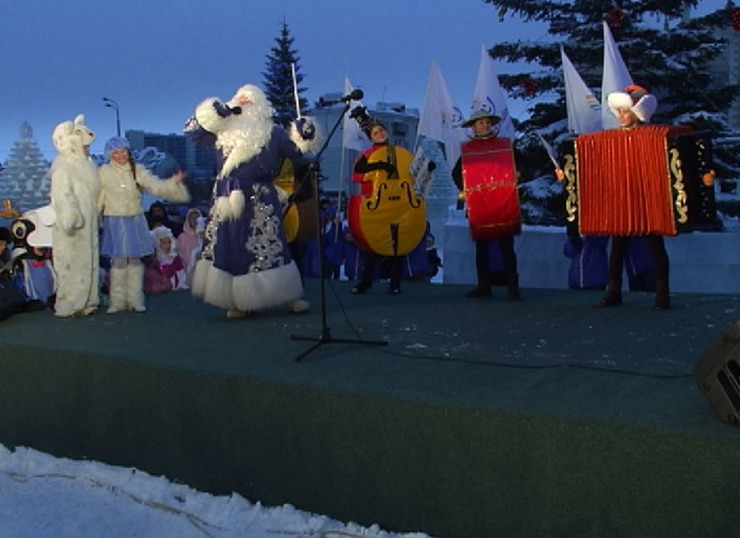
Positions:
(558, 170)
(295, 92)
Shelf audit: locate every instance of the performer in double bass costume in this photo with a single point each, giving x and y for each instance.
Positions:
(388, 218)
(486, 176)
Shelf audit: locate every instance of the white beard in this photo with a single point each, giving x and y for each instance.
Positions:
(247, 135)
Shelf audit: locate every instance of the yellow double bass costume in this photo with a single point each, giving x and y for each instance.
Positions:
(387, 217)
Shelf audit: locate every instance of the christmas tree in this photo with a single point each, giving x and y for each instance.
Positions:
(25, 178)
(278, 79)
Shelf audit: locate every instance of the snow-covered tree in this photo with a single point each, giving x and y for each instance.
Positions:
(278, 78)
(665, 50)
(24, 179)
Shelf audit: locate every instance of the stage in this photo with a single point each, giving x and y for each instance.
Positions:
(544, 417)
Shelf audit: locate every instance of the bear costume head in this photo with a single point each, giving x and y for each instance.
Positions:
(72, 137)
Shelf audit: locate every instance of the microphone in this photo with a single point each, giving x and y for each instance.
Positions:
(354, 95)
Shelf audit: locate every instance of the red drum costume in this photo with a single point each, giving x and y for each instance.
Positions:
(489, 182)
(486, 175)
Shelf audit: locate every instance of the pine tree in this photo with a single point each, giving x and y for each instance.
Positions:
(665, 51)
(25, 178)
(278, 78)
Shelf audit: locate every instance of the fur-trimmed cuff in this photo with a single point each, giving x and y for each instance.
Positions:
(176, 192)
(231, 206)
(206, 115)
(283, 196)
(306, 145)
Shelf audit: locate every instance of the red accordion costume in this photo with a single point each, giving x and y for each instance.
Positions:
(638, 181)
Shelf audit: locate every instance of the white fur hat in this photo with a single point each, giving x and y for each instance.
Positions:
(160, 232)
(117, 142)
(634, 98)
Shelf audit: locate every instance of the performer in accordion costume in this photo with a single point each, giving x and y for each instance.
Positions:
(636, 181)
(486, 175)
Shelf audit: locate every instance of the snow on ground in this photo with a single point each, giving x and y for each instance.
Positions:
(46, 497)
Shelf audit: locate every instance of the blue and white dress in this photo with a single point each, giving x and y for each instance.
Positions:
(125, 229)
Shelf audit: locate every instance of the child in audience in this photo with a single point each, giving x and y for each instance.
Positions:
(189, 241)
(168, 259)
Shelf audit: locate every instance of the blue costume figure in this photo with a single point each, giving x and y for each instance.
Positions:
(433, 260)
(589, 266)
(331, 249)
(416, 262)
(246, 263)
(638, 262)
(352, 255)
(496, 264)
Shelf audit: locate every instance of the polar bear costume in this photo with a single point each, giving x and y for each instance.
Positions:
(75, 188)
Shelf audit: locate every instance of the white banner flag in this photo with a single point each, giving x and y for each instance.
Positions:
(584, 110)
(352, 136)
(419, 169)
(441, 117)
(490, 97)
(615, 78)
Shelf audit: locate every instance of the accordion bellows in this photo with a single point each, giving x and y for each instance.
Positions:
(633, 182)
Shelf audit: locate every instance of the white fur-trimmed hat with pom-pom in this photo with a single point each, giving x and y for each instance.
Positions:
(635, 98)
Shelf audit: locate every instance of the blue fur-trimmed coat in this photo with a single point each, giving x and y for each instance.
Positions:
(246, 262)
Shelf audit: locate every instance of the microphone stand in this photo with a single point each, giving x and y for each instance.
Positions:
(325, 337)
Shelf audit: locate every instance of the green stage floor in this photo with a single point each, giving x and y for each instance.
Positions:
(547, 417)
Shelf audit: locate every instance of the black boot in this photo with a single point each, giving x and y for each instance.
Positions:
(366, 277)
(362, 286)
(613, 295)
(396, 267)
(483, 289)
(512, 287)
(662, 295)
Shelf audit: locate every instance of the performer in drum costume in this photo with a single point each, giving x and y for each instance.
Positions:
(636, 181)
(486, 175)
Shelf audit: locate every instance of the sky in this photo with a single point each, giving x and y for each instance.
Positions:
(157, 59)
(48, 497)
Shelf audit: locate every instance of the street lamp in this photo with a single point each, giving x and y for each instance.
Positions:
(110, 103)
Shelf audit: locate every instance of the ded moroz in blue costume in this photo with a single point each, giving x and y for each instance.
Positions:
(246, 264)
